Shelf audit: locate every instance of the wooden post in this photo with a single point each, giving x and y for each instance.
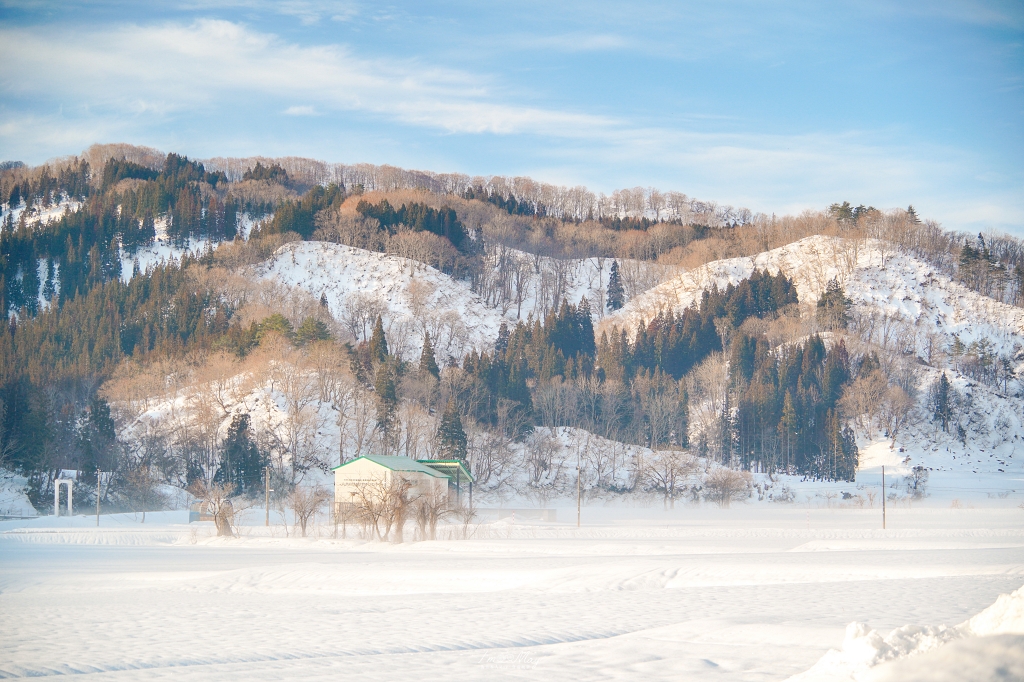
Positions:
(883, 497)
(98, 484)
(579, 486)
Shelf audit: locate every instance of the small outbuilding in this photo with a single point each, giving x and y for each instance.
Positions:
(373, 475)
(459, 478)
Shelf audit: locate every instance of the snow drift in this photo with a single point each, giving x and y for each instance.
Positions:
(982, 641)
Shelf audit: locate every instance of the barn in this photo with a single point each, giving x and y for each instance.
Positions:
(373, 475)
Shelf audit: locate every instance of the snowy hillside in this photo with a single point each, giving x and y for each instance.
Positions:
(164, 249)
(283, 406)
(550, 280)
(414, 297)
(895, 295)
(878, 281)
(13, 501)
(39, 214)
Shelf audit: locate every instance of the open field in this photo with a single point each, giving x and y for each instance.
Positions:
(749, 593)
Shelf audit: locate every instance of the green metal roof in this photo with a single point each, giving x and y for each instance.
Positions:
(449, 467)
(397, 464)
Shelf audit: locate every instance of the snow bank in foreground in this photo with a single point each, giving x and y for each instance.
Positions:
(1004, 617)
(989, 646)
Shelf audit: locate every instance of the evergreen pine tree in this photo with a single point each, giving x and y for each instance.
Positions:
(851, 455)
(323, 301)
(378, 343)
(615, 292)
(241, 463)
(450, 435)
(834, 306)
(312, 330)
(586, 328)
(275, 323)
(787, 428)
(682, 436)
(942, 408)
(387, 407)
(501, 344)
(957, 349)
(428, 365)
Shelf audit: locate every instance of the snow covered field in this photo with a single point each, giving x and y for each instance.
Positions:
(756, 592)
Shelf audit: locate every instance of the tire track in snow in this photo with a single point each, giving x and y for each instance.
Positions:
(519, 643)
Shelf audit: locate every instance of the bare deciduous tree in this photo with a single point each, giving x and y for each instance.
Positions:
(668, 470)
(723, 486)
(360, 311)
(401, 336)
(863, 398)
(420, 293)
(305, 502)
(896, 411)
(297, 435)
(384, 503)
(216, 500)
(431, 509)
(709, 388)
(140, 486)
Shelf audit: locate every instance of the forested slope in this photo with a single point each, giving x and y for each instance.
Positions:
(373, 309)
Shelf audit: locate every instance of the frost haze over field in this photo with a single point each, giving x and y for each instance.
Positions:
(750, 593)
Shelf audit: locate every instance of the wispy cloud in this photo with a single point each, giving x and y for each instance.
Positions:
(301, 111)
(306, 11)
(568, 42)
(193, 65)
(171, 78)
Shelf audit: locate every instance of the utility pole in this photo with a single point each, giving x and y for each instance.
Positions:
(579, 485)
(266, 494)
(883, 497)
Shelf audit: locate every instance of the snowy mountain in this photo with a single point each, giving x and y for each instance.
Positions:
(902, 302)
(887, 290)
(410, 296)
(879, 281)
(413, 297)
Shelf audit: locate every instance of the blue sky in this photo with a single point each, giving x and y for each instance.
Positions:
(777, 107)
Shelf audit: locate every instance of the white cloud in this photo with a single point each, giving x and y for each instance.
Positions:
(300, 111)
(197, 64)
(306, 11)
(568, 42)
(129, 77)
